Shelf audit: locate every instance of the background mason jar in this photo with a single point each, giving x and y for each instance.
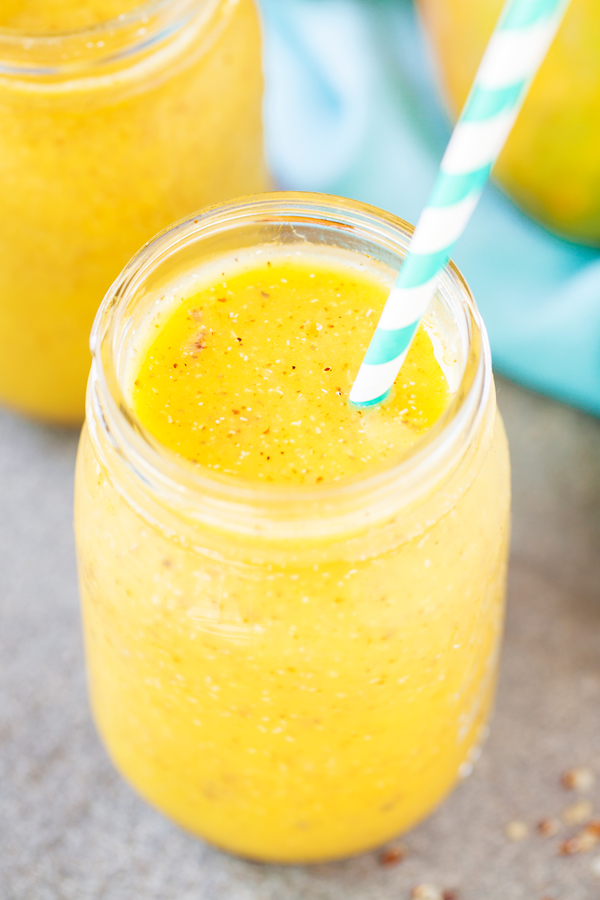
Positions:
(106, 136)
(550, 165)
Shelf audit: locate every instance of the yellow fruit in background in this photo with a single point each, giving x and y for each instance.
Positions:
(551, 163)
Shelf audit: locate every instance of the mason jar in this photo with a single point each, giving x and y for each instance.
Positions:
(295, 673)
(550, 165)
(108, 134)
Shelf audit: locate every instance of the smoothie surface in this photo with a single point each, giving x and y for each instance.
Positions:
(250, 376)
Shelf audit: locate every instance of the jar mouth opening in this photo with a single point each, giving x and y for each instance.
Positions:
(284, 213)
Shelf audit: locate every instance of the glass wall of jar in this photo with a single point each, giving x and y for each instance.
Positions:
(108, 133)
(293, 673)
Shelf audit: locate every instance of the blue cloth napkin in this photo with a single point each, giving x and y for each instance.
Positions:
(352, 108)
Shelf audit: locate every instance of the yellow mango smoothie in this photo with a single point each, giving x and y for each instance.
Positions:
(292, 606)
(250, 377)
(117, 118)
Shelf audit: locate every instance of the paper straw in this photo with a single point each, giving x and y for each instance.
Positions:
(520, 41)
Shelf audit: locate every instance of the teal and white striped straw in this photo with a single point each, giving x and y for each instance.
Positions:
(520, 41)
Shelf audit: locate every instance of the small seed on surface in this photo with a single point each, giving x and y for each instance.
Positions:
(392, 855)
(581, 779)
(516, 831)
(426, 892)
(549, 826)
(577, 812)
(584, 840)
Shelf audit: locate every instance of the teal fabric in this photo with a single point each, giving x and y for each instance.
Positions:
(352, 108)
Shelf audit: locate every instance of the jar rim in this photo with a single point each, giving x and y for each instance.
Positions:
(144, 8)
(211, 496)
(64, 53)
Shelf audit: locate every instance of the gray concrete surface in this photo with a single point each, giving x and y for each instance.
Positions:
(70, 829)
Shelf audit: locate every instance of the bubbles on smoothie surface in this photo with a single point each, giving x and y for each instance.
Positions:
(250, 376)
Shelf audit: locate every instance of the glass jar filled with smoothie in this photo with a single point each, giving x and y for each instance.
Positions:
(551, 162)
(117, 118)
(292, 606)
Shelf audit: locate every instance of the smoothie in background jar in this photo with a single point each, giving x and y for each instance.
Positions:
(111, 129)
(292, 607)
(550, 165)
